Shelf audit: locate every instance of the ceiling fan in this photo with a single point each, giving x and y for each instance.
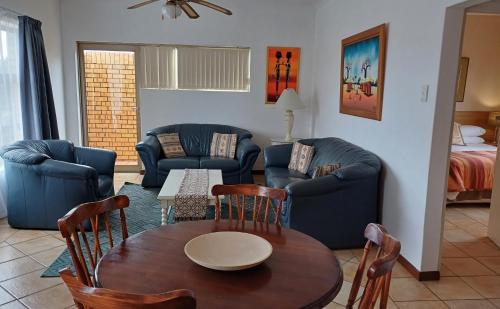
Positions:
(174, 8)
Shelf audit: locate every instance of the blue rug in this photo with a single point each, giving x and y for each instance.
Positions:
(144, 213)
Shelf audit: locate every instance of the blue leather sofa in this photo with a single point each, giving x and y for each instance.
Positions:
(334, 209)
(196, 140)
(46, 179)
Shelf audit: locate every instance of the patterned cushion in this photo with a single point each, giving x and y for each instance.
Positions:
(171, 145)
(301, 158)
(457, 135)
(223, 145)
(324, 170)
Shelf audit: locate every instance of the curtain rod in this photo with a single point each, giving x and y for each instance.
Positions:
(11, 11)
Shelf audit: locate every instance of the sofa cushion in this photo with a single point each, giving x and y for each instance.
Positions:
(178, 163)
(105, 184)
(280, 177)
(215, 163)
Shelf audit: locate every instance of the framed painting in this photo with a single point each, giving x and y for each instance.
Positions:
(283, 71)
(362, 73)
(463, 70)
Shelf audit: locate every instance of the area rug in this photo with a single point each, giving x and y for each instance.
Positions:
(144, 213)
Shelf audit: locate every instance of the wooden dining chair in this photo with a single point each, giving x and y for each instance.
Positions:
(72, 228)
(262, 201)
(86, 297)
(380, 271)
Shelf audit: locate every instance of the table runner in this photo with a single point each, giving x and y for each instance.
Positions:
(192, 199)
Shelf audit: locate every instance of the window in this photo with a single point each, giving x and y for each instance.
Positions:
(196, 68)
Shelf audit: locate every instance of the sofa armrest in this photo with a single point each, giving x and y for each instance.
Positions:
(100, 159)
(149, 150)
(355, 171)
(278, 155)
(65, 170)
(246, 148)
(312, 187)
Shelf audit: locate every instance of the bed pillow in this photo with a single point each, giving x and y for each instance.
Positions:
(471, 131)
(457, 135)
(473, 140)
(301, 158)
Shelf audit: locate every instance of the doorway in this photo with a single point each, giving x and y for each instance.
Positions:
(110, 105)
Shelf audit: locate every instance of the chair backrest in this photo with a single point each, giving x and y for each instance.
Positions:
(380, 271)
(72, 228)
(90, 298)
(262, 201)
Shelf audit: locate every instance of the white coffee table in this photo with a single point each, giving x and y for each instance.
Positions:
(171, 188)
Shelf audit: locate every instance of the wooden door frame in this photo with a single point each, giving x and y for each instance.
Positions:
(81, 47)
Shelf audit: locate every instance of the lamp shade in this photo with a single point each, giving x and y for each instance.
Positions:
(289, 100)
(494, 119)
(170, 9)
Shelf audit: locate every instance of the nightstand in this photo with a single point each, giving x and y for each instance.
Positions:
(281, 141)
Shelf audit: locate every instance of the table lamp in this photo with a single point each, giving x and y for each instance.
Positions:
(494, 120)
(290, 101)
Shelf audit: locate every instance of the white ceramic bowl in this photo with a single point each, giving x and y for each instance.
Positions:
(228, 251)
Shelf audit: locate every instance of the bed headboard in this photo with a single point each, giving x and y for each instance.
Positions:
(479, 119)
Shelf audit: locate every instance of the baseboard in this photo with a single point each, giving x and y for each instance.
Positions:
(419, 275)
(257, 172)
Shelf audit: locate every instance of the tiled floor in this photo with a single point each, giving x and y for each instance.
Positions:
(470, 267)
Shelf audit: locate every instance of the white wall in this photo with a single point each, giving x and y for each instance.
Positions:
(255, 24)
(403, 138)
(48, 12)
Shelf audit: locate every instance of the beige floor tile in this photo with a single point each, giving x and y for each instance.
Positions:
(492, 263)
(446, 272)
(8, 253)
(449, 226)
(476, 214)
(398, 271)
(459, 236)
(57, 297)
(452, 288)
(343, 295)
(449, 250)
(47, 257)
(13, 305)
(3, 244)
(470, 304)
(6, 232)
(333, 305)
(409, 289)
(488, 286)
(466, 267)
(422, 305)
(477, 229)
(28, 284)
(495, 302)
(38, 245)
(476, 249)
(343, 255)
(18, 267)
(25, 235)
(5, 297)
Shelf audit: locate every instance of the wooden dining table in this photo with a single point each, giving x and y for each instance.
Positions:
(301, 272)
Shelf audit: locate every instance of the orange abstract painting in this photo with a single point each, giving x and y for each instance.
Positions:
(283, 69)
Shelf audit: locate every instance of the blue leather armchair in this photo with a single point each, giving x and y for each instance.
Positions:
(334, 209)
(196, 140)
(46, 179)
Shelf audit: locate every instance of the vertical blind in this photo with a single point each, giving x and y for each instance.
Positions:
(10, 105)
(196, 68)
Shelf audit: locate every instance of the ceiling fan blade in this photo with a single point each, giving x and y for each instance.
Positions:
(213, 6)
(189, 10)
(138, 5)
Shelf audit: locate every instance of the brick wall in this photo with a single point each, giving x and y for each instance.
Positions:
(111, 103)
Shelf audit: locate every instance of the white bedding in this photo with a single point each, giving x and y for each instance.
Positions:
(473, 147)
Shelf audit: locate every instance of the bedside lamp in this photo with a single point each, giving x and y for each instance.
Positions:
(290, 101)
(494, 120)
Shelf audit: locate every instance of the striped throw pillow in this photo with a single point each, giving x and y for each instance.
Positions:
(171, 145)
(324, 170)
(223, 145)
(301, 158)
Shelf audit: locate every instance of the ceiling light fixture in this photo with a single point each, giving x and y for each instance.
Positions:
(171, 10)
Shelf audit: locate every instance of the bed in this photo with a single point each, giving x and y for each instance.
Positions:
(472, 166)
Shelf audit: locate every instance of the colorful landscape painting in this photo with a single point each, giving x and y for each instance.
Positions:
(363, 58)
(283, 70)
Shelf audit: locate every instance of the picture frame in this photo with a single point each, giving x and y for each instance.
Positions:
(463, 70)
(362, 73)
(284, 63)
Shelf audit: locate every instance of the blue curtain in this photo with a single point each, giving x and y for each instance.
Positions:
(37, 101)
